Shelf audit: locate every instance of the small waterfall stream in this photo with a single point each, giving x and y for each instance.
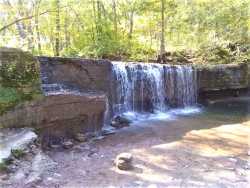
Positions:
(138, 88)
(148, 87)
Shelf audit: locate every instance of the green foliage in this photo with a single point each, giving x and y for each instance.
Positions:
(126, 29)
(224, 53)
(137, 52)
(9, 97)
(21, 71)
(19, 78)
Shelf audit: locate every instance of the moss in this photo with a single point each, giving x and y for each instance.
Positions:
(19, 78)
(10, 97)
(17, 153)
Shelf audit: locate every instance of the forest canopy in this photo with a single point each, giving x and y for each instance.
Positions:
(126, 29)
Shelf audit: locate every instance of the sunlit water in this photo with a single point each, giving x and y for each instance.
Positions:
(163, 116)
(144, 86)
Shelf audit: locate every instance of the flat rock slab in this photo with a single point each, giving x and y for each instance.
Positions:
(15, 139)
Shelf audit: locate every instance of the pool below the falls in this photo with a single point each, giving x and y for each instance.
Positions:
(222, 112)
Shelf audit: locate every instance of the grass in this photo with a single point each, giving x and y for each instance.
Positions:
(9, 97)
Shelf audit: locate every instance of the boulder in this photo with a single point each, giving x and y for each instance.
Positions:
(123, 161)
(61, 116)
(80, 137)
(119, 122)
(68, 144)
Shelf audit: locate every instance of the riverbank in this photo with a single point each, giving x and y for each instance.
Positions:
(191, 151)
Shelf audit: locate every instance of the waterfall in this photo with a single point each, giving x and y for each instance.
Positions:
(148, 87)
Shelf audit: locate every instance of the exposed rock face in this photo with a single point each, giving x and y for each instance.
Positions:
(84, 74)
(59, 116)
(77, 74)
(219, 77)
(220, 81)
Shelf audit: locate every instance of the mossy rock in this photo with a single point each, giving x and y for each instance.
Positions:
(19, 78)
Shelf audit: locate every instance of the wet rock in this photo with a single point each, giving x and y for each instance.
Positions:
(80, 137)
(78, 149)
(125, 156)
(124, 161)
(67, 144)
(106, 132)
(119, 122)
(54, 146)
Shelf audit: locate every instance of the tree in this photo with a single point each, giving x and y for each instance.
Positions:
(57, 34)
(125, 29)
(162, 47)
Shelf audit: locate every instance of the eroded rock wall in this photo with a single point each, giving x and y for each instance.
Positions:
(84, 74)
(221, 81)
(220, 77)
(59, 116)
(96, 75)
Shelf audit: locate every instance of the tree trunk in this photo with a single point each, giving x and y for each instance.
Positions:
(131, 24)
(38, 38)
(30, 37)
(57, 35)
(66, 32)
(115, 16)
(162, 47)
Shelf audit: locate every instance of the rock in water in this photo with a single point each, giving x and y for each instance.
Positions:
(123, 161)
(119, 122)
(80, 137)
(68, 144)
(125, 156)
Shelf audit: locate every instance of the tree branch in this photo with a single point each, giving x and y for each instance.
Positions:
(25, 18)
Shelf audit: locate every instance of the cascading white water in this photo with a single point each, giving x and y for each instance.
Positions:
(148, 87)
